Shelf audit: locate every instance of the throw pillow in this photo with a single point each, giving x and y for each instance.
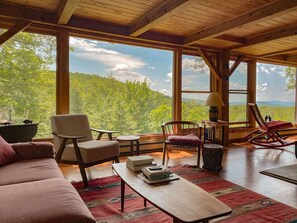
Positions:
(7, 154)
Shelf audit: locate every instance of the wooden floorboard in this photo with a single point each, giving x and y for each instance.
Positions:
(242, 163)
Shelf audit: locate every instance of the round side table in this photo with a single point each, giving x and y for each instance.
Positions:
(212, 156)
(132, 139)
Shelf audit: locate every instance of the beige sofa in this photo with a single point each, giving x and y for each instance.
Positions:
(33, 189)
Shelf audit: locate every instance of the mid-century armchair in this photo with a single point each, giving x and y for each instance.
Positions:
(74, 143)
(181, 134)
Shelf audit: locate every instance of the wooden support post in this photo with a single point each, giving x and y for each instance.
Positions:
(176, 85)
(251, 87)
(62, 100)
(224, 70)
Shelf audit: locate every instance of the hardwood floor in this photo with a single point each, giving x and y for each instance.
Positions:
(241, 165)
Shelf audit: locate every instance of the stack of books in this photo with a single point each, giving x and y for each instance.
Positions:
(156, 172)
(136, 163)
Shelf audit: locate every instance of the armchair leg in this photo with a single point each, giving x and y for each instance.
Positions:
(80, 163)
(198, 156)
(164, 151)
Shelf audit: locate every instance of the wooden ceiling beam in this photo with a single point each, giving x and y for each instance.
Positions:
(80, 24)
(158, 15)
(278, 52)
(270, 10)
(236, 63)
(18, 27)
(65, 10)
(232, 39)
(272, 35)
(208, 60)
(292, 58)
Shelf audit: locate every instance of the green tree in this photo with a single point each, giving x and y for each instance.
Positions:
(26, 82)
(291, 75)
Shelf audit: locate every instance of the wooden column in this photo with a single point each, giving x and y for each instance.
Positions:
(295, 101)
(224, 70)
(176, 85)
(62, 97)
(251, 87)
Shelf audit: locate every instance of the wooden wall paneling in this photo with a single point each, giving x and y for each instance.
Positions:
(177, 85)
(62, 85)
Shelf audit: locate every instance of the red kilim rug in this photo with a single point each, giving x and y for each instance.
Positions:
(103, 200)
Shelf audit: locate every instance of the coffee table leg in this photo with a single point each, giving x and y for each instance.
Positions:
(137, 147)
(122, 194)
(131, 148)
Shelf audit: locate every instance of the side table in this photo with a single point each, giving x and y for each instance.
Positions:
(213, 127)
(212, 156)
(132, 139)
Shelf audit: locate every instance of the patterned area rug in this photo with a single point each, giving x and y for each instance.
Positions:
(286, 173)
(103, 200)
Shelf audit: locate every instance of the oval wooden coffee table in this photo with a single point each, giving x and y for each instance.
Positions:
(180, 199)
(132, 139)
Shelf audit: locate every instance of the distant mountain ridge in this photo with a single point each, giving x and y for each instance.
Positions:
(276, 103)
(269, 103)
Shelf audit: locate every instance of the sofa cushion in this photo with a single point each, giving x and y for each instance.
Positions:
(46, 201)
(7, 154)
(29, 170)
(33, 150)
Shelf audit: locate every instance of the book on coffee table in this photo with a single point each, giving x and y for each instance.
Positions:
(172, 177)
(136, 163)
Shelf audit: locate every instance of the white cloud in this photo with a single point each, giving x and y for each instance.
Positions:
(121, 67)
(89, 50)
(169, 77)
(236, 85)
(166, 92)
(262, 87)
(188, 64)
(127, 75)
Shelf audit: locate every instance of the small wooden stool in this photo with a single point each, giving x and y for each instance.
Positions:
(132, 139)
(212, 156)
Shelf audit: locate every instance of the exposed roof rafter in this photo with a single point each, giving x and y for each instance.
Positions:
(18, 27)
(270, 10)
(66, 10)
(158, 15)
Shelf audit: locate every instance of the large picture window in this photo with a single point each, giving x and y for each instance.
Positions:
(238, 94)
(275, 94)
(195, 88)
(121, 87)
(28, 80)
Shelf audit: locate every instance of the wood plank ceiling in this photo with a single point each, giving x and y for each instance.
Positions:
(259, 29)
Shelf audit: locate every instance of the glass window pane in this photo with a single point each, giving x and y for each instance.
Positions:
(275, 92)
(238, 80)
(121, 87)
(195, 74)
(237, 107)
(28, 80)
(193, 108)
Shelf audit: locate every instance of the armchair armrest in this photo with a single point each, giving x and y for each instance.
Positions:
(33, 150)
(102, 131)
(68, 136)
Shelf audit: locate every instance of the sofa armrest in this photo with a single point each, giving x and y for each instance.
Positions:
(33, 150)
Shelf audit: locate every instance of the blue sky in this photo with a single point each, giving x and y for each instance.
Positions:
(127, 62)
